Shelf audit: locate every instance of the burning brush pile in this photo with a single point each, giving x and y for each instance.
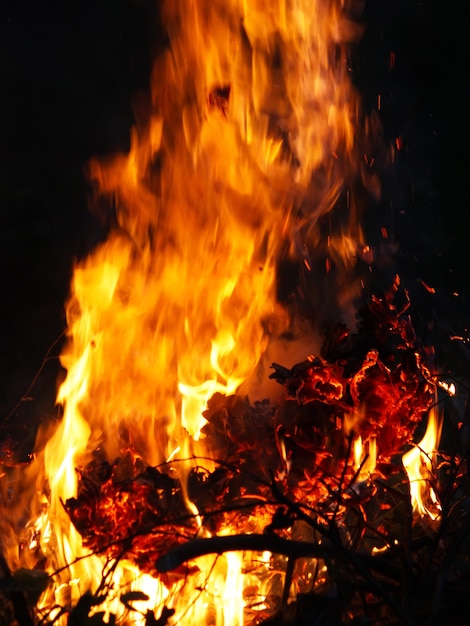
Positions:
(188, 480)
(344, 416)
(312, 493)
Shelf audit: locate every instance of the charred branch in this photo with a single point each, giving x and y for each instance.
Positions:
(258, 543)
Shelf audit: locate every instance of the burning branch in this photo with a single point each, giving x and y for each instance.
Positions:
(230, 543)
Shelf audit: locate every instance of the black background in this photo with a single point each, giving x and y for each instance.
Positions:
(68, 73)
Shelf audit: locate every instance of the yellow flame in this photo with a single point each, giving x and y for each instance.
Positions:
(418, 463)
(233, 590)
(365, 456)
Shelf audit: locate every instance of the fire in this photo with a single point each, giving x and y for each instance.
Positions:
(252, 133)
(365, 461)
(418, 463)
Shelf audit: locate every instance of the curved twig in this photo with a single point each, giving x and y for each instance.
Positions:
(234, 543)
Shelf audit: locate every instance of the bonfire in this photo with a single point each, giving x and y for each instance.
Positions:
(240, 433)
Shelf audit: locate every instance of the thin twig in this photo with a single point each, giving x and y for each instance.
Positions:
(288, 580)
(342, 477)
(25, 397)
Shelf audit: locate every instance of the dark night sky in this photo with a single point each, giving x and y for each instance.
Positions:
(68, 71)
(68, 74)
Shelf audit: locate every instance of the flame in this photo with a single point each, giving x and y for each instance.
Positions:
(365, 457)
(364, 453)
(233, 590)
(252, 129)
(418, 463)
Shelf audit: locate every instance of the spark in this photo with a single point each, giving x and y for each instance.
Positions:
(428, 288)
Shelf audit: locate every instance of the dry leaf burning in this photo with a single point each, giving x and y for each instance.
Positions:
(255, 134)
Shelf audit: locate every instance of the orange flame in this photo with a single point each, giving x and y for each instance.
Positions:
(418, 463)
(365, 457)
